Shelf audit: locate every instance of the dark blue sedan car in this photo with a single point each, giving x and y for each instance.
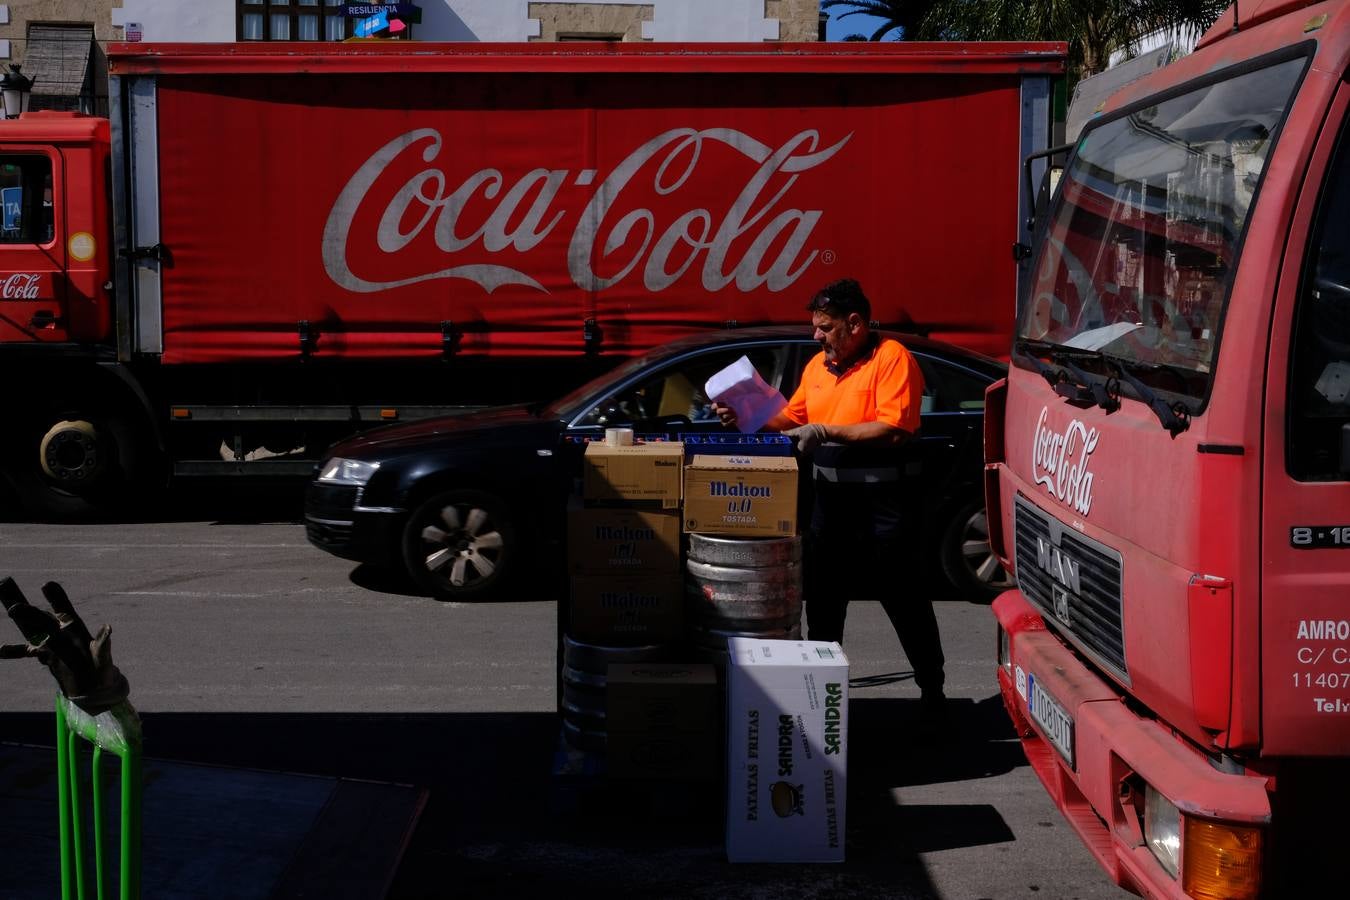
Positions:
(468, 503)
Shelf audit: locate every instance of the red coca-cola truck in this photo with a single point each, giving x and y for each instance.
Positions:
(1170, 462)
(266, 247)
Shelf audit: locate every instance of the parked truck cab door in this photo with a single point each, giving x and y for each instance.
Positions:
(32, 251)
(1306, 478)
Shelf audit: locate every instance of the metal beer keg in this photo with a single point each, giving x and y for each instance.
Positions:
(584, 671)
(742, 587)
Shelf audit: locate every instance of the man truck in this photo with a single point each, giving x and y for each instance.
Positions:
(1169, 470)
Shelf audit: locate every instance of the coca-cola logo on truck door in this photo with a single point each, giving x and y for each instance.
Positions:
(1060, 461)
(21, 286)
(661, 247)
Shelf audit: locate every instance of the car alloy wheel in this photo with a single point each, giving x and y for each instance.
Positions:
(968, 559)
(459, 544)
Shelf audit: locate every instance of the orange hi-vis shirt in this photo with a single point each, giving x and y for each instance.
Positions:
(885, 385)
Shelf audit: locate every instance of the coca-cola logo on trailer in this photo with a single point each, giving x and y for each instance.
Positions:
(21, 286)
(1059, 461)
(660, 247)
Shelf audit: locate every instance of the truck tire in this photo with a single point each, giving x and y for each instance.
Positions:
(461, 545)
(968, 561)
(76, 465)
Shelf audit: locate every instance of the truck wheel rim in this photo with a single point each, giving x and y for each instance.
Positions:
(979, 555)
(69, 453)
(464, 548)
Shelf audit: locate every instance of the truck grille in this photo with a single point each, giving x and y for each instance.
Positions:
(1074, 581)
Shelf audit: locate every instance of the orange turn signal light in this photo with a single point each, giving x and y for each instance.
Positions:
(1221, 860)
(388, 414)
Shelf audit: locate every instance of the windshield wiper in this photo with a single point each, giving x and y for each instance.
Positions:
(1175, 417)
(1083, 388)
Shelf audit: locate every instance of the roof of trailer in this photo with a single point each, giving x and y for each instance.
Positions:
(843, 57)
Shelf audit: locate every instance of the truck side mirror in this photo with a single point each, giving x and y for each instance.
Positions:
(1045, 193)
(1040, 199)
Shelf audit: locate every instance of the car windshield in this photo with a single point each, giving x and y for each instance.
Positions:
(571, 404)
(1138, 258)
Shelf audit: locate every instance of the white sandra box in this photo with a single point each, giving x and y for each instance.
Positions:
(787, 729)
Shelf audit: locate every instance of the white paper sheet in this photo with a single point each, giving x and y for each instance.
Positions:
(740, 387)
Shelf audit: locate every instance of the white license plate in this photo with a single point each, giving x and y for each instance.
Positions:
(1054, 721)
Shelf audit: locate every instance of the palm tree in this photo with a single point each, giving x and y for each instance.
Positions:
(1094, 29)
(896, 15)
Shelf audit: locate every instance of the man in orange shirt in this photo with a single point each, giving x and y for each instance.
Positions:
(858, 400)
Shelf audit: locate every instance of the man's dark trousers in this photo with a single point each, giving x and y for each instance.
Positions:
(855, 548)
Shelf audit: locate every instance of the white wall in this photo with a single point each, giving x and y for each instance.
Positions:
(177, 20)
(468, 20)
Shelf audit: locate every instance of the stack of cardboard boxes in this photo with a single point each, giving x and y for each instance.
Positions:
(623, 546)
(785, 700)
(661, 720)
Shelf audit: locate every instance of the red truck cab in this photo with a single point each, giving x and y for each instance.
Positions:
(55, 265)
(1170, 463)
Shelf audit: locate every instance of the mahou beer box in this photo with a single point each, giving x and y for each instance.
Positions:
(745, 496)
(787, 748)
(621, 541)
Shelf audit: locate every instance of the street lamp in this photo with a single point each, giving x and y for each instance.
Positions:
(16, 89)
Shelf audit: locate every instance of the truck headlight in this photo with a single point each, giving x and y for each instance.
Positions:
(1221, 861)
(347, 471)
(1162, 829)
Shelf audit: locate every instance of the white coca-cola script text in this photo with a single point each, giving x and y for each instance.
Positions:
(634, 239)
(21, 286)
(1060, 461)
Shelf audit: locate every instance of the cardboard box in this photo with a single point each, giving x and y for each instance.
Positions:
(641, 472)
(787, 745)
(663, 721)
(623, 540)
(741, 495)
(661, 698)
(627, 609)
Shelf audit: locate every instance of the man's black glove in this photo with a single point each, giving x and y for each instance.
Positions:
(81, 663)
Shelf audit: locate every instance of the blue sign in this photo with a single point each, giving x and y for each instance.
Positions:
(367, 27)
(12, 199)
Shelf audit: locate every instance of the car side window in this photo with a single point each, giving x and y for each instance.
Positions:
(676, 391)
(949, 388)
(1319, 385)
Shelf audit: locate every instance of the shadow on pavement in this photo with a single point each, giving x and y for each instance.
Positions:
(499, 822)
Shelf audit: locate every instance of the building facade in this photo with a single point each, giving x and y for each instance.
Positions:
(60, 43)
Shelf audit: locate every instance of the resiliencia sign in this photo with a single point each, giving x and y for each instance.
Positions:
(399, 10)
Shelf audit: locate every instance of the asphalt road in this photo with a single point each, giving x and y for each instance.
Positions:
(247, 647)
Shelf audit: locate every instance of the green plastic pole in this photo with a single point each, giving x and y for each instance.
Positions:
(98, 820)
(130, 870)
(63, 769)
(77, 814)
(116, 731)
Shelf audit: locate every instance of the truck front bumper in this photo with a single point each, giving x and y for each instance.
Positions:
(1114, 751)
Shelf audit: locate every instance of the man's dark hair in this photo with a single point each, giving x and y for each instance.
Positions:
(839, 298)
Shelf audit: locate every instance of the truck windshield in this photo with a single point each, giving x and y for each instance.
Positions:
(1137, 259)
